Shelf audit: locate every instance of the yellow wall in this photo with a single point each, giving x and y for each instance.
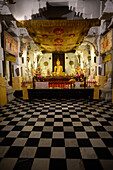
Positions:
(16, 83)
(100, 80)
(3, 96)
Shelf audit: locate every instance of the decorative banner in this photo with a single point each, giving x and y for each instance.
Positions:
(11, 58)
(10, 44)
(106, 42)
(58, 35)
(41, 85)
(106, 58)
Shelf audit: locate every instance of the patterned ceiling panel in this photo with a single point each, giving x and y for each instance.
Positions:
(58, 35)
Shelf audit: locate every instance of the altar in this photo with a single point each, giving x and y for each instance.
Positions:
(86, 93)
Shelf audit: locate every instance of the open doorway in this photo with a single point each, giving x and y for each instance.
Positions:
(61, 58)
(11, 73)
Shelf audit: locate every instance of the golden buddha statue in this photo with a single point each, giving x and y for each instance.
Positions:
(58, 69)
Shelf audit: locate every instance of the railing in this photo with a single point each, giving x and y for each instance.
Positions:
(62, 84)
(90, 83)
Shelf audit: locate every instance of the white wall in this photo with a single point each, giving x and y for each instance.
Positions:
(92, 7)
(45, 58)
(27, 7)
(68, 68)
(92, 64)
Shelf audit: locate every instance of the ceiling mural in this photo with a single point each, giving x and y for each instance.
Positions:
(58, 35)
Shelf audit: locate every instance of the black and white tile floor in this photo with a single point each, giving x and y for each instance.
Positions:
(56, 135)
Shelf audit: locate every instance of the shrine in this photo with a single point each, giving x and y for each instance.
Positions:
(56, 84)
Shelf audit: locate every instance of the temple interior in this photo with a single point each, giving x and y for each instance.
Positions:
(56, 84)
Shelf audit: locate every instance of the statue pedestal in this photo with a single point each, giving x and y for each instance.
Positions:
(10, 95)
(96, 92)
(9, 91)
(107, 90)
(25, 93)
(56, 74)
(107, 94)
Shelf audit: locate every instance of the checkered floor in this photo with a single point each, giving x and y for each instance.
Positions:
(56, 135)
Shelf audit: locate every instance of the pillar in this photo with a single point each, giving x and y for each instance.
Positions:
(112, 76)
(1, 54)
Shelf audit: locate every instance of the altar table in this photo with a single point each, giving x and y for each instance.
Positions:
(60, 93)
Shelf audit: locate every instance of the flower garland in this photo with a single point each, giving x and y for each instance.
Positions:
(79, 75)
(38, 77)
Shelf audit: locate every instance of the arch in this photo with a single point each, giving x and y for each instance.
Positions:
(83, 51)
(31, 52)
(80, 56)
(37, 56)
(25, 44)
(91, 45)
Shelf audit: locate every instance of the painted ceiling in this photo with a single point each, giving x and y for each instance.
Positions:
(58, 35)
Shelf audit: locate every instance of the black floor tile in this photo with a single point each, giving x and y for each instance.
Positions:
(75, 119)
(30, 123)
(50, 116)
(69, 135)
(66, 116)
(105, 124)
(86, 124)
(92, 119)
(43, 152)
(108, 142)
(37, 128)
(48, 123)
(111, 133)
(23, 164)
(84, 143)
(7, 142)
(58, 119)
(58, 143)
(79, 128)
(58, 164)
(103, 153)
(41, 119)
(93, 135)
(32, 142)
(72, 153)
(3, 133)
(99, 128)
(12, 123)
(17, 128)
(24, 134)
(1, 127)
(67, 123)
(14, 152)
(46, 135)
(24, 119)
(8, 119)
(92, 164)
(58, 129)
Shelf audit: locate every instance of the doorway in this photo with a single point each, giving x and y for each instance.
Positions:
(11, 73)
(61, 58)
